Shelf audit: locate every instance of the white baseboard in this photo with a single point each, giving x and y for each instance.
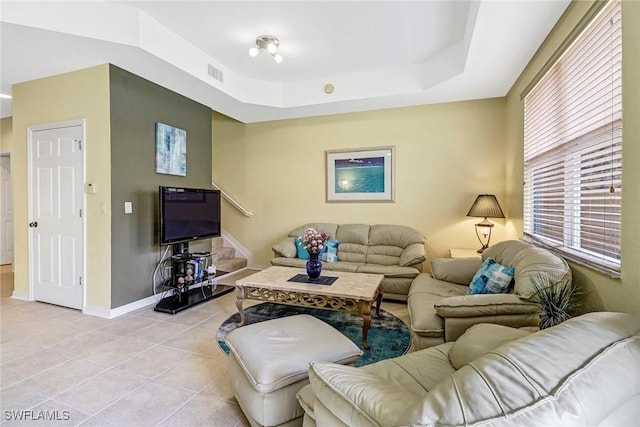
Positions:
(119, 311)
(97, 311)
(100, 311)
(127, 308)
(20, 295)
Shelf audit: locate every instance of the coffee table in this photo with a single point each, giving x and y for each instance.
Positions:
(352, 292)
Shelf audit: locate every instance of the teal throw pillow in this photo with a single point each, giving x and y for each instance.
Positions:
(329, 252)
(301, 251)
(491, 278)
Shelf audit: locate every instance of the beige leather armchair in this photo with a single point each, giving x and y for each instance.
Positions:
(585, 371)
(441, 310)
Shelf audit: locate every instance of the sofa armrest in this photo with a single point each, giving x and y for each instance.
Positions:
(359, 398)
(484, 305)
(285, 248)
(412, 254)
(455, 270)
(462, 312)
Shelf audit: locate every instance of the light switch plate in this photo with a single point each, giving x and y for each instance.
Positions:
(128, 207)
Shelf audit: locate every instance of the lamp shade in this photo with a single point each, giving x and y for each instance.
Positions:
(486, 206)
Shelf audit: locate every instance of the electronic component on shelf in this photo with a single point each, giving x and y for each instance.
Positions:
(193, 280)
(190, 255)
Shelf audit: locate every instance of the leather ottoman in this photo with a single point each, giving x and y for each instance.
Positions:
(268, 363)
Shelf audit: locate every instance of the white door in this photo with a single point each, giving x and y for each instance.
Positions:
(56, 204)
(6, 211)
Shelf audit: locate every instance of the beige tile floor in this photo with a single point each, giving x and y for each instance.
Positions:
(141, 369)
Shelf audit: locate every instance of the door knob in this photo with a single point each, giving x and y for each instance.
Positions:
(33, 224)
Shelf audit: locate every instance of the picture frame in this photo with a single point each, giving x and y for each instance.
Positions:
(361, 175)
(171, 150)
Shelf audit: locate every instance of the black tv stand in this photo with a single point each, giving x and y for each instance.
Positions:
(187, 290)
(183, 299)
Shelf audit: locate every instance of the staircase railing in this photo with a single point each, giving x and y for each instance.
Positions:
(232, 201)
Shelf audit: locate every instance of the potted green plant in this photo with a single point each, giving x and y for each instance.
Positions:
(556, 298)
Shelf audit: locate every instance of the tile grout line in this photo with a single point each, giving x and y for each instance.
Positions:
(211, 313)
(148, 380)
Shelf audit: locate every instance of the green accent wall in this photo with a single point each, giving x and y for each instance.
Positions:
(136, 106)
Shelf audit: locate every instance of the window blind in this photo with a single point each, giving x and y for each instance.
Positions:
(573, 148)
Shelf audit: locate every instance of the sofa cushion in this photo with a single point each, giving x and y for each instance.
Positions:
(533, 263)
(306, 398)
(396, 288)
(480, 339)
(388, 245)
(455, 270)
(412, 255)
(371, 395)
(356, 397)
(323, 227)
(491, 278)
(285, 248)
(329, 266)
(394, 235)
(354, 233)
(352, 252)
(383, 254)
(388, 271)
(419, 371)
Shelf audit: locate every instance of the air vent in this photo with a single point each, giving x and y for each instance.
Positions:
(216, 74)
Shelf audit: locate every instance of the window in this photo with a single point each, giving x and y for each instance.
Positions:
(573, 148)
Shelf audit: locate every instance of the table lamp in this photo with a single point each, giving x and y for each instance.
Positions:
(487, 206)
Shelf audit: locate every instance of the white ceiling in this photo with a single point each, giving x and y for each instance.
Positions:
(376, 54)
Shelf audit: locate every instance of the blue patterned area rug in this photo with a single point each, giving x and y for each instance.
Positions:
(388, 335)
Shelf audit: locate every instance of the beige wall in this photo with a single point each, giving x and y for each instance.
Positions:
(446, 155)
(6, 132)
(77, 95)
(603, 292)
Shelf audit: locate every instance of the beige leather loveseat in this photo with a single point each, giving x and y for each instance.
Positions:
(395, 251)
(441, 310)
(585, 371)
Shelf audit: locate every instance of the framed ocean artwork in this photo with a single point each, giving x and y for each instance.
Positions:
(361, 175)
(171, 150)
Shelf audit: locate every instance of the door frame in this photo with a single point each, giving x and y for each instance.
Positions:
(83, 203)
(7, 153)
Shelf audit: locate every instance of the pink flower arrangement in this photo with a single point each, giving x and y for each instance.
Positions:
(313, 240)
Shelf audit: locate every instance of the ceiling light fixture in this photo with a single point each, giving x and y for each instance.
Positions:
(269, 44)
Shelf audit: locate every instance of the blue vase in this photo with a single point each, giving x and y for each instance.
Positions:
(314, 267)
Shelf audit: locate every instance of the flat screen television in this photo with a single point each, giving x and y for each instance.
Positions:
(188, 214)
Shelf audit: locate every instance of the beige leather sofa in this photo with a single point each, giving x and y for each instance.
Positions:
(585, 371)
(441, 310)
(393, 250)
